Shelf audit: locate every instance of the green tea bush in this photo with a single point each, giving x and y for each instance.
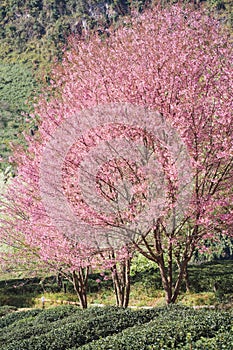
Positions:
(86, 326)
(29, 285)
(70, 328)
(170, 330)
(16, 316)
(220, 341)
(211, 276)
(57, 313)
(6, 309)
(30, 324)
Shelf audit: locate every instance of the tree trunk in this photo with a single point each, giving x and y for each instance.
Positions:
(159, 255)
(165, 281)
(171, 291)
(80, 285)
(121, 282)
(183, 268)
(59, 279)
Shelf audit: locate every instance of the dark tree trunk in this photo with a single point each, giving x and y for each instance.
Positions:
(165, 259)
(79, 280)
(121, 281)
(59, 279)
(171, 291)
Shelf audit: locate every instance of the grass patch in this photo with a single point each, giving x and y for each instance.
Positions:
(198, 299)
(210, 283)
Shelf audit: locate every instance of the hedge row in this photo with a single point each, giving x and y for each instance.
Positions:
(173, 330)
(49, 320)
(7, 309)
(30, 324)
(68, 327)
(78, 329)
(16, 316)
(221, 341)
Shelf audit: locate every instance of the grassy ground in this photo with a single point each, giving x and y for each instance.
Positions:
(211, 284)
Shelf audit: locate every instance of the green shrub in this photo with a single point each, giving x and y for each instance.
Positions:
(35, 324)
(172, 329)
(68, 327)
(6, 309)
(220, 341)
(205, 277)
(90, 324)
(14, 317)
(25, 300)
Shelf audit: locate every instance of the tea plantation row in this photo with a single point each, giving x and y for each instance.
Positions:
(69, 328)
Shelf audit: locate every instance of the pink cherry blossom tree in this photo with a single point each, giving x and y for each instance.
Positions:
(135, 146)
(29, 242)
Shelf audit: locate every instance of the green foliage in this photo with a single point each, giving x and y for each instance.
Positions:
(219, 248)
(17, 86)
(220, 341)
(22, 292)
(211, 277)
(69, 328)
(199, 299)
(33, 34)
(173, 328)
(28, 325)
(45, 332)
(16, 316)
(146, 272)
(203, 276)
(28, 285)
(33, 25)
(6, 309)
(25, 300)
